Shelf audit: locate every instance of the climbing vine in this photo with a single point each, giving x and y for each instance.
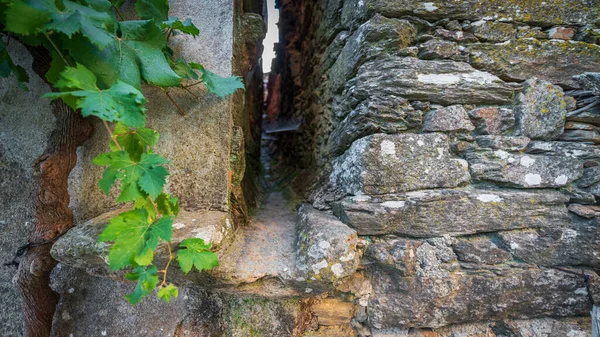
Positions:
(99, 62)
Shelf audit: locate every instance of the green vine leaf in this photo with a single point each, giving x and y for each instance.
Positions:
(135, 238)
(152, 9)
(146, 175)
(168, 292)
(137, 53)
(134, 141)
(42, 16)
(186, 27)
(167, 205)
(147, 279)
(120, 103)
(8, 67)
(220, 86)
(194, 252)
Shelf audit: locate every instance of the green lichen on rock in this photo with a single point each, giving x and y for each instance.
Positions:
(555, 61)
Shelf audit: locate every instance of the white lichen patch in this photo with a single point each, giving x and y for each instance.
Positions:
(489, 198)
(318, 266)
(480, 77)
(533, 179)
(388, 149)
(179, 225)
(501, 154)
(581, 291)
(324, 244)
(430, 6)
(441, 79)
(527, 161)
(337, 270)
(348, 257)
(393, 204)
(561, 180)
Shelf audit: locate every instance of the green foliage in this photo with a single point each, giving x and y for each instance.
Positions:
(147, 279)
(194, 252)
(98, 65)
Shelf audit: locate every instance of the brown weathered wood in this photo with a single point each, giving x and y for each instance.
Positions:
(53, 217)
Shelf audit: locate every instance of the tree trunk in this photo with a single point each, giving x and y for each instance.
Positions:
(53, 217)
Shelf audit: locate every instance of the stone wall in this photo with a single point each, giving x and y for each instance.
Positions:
(458, 138)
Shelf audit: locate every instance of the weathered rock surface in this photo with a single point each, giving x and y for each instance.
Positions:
(523, 170)
(540, 110)
(575, 245)
(437, 49)
(584, 136)
(479, 250)
(462, 297)
(396, 163)
(376, 114)
(502, 143)
(326, 247)
(566, 149)
(453, 212)
(451, 118)
(548, 13)
(555, 61)
(493, 31)
(438, 81)
(492, 120)
(394, 252)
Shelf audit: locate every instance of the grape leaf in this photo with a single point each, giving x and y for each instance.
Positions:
(168, 292)
(167, 205)
(145, 175)
(186, 26)
(196, 253)
(147, 279)
(134, 238)
(120, 103)
(220, 86)
(138, 52)
(184, 70)
(8, 67)
(152, 9)
(134, 141)
(41, 16)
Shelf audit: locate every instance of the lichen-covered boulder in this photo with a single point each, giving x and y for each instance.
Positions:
(509, 291)
(575, 244)
(523, 170)
(452, 212)
(492, 120)
(437, 49)
(376, 114)
(540, 110)
(443, 82)
(450, 118)
(383, 163)
(493, 31)
(326, 247)
(555, 61)
(505, 143)
(479, 250)
(577, 151)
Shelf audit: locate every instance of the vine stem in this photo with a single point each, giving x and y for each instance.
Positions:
(191, 85)
(164, 271)
(112, 135)
(118, 12)
(174, 103)
(57, 50)
(190, 92)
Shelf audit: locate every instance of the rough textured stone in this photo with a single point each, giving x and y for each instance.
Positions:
(376, 114)
(519, 60)
(452, 212)
(395, 163)
(561, 33)
(333, 311)
(591, 175)
(575, 245)
(326, 247)
(457, 36)
(398, 253)
(586, 211)
(492, 120)
(438, 81)
(570, 150)
(547, 13)
(479, 250)
(584, 136)
(493, 31)
(26, 122)
(502, 143)
(464, 297)
(437, 49)
(540, 110)
(377, 36)
(523, 170)
(451, 118)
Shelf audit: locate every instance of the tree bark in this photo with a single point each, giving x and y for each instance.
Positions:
(53, 217)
